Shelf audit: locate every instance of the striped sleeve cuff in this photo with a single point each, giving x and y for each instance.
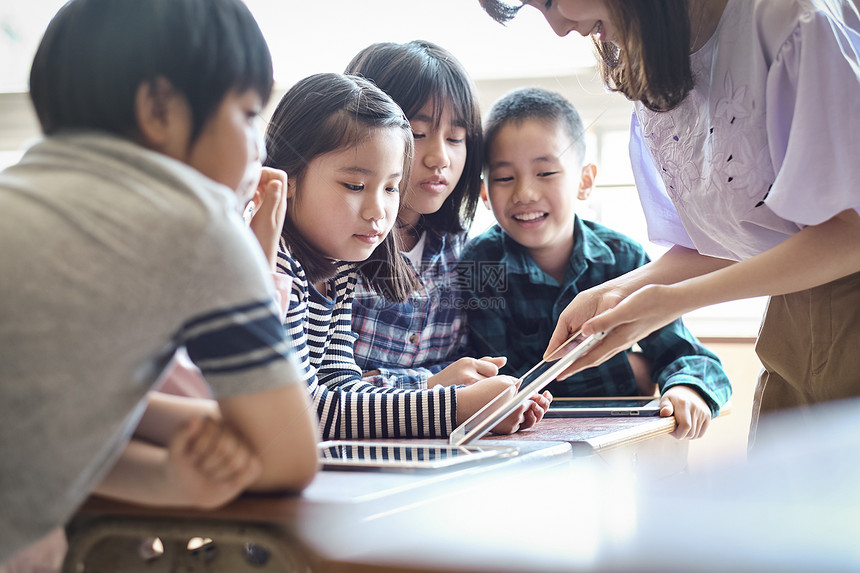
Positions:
(236, 339)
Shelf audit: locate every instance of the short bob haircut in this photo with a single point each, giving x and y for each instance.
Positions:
(96, 54)
(652, 65)
(321, 114)
(539, 104)
(419, 72)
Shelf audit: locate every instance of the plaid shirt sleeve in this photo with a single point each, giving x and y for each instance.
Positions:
(405, 378)
(678, 358)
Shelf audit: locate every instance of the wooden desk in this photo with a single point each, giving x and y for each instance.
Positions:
(792, 508)
(294, 530)
(465, 520)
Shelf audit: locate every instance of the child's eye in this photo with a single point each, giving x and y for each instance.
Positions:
(546, 173)
(547, 5)
(352, 187)
(417, 135)
(502, 179)
(252, 115)
(456, 141)
(392, 189)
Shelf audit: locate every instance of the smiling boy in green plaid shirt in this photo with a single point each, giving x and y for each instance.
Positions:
(524, 271)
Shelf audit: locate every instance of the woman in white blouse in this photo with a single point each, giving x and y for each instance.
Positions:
(745, 144)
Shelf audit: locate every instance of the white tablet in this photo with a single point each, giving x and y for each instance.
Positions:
(604, 406)
(531, 382)
(382, 455)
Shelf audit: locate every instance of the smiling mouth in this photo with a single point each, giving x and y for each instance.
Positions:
(529, 217)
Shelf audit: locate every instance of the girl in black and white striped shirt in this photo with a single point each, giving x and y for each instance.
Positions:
(346, 147)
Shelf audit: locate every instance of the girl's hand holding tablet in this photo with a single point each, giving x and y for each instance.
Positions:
(536, 408)
(472, 398)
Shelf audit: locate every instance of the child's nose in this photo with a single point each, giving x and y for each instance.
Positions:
(436, 156)
(373, 209)
(524, 192)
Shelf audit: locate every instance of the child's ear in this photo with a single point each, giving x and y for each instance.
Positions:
(163, 118)
(484, 196)
(586, 182)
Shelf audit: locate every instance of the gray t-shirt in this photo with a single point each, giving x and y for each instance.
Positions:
(111, 258)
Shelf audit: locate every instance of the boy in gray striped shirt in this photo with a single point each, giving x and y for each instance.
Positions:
(122, 242)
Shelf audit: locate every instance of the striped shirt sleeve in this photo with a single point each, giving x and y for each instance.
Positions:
(239, 344)
(348, 406)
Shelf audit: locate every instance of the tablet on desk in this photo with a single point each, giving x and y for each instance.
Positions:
(531, 382)
(599, 407)
(380, 455)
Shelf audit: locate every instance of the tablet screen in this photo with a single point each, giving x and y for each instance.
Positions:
(597, 407)
(342, 454)
(559, 403)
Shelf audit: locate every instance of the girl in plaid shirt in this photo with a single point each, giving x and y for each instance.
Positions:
(346, 147)
(422, 341)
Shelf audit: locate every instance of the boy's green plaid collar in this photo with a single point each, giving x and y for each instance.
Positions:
(588, 248)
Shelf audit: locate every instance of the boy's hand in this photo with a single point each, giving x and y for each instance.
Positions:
(467, 371)
(690, 410)
(208, 464)
(270, 209)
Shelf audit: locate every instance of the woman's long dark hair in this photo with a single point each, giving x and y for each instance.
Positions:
(419, 72)
(325, 113)
(652, 64)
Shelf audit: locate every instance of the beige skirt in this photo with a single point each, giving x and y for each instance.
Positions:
(809, 345)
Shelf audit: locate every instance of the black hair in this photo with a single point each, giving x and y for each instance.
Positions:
(652, 65)
(96, 54)
(419, 72)
(321, 114)
(500, 11)
(523, 104)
